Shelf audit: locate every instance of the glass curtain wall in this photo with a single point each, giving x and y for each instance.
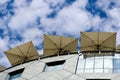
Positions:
(103, 64)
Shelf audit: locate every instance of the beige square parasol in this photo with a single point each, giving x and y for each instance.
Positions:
(55, 45)
(22, 53)
(98, 41)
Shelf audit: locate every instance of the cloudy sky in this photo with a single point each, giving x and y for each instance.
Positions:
(25, 20)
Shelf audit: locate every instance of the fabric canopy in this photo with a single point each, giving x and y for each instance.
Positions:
(2, 68)
(55, 45)
(22, 53)
(98, 41)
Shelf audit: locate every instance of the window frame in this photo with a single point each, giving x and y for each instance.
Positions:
(16, 72)
(54, 64)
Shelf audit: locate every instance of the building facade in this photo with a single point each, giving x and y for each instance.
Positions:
(66, 67)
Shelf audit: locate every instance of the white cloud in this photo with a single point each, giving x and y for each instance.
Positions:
(96, 22)
(114, 16)
(4, 46)
(33, 34)
(103, 4)
(27, 15)
(74, 20)
(22, 19)
(13, 43)
(4, 62)
(40, 51)
(118, 38)
(80, 4)
(20, 3)
(54, 2)
(3, 1)
(70, 20)
(4, 43)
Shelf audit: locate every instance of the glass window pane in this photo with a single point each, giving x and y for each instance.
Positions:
(58, 67)
(81, 64)
(80, 70)
(105, 57)
(81, 57)
(50, 68)
(99, 57)
(108, 63)
(98, 70)
(15, 76)
(117, 56)
(108, 70)
(116, 63)
(88, 70)
(116, 71)
(99, 63)
(89, 63)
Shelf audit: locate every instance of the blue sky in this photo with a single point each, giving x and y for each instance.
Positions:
(25, 20)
